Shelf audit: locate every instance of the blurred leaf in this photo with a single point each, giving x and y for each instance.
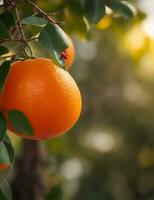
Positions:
(8, 19)
(3, 126)
(53, 38)
(3, 31)
(5, 190)
(4, 69)
(94, 10)
(34, 20)
(10, 149)
(124, 8)
(3, 50)
(4, 157)
(20, 122)
(75, 18)
(55, 193)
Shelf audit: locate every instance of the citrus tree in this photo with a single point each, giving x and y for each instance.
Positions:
(39, 99)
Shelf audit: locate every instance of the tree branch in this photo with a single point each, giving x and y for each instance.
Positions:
(46, 16)
(22, 33)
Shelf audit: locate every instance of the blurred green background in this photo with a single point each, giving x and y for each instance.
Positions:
(109, 153)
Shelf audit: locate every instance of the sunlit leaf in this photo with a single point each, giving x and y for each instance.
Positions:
(34, 20)
(4, 157)
(19, 122)
(123, 8)
(14, 47)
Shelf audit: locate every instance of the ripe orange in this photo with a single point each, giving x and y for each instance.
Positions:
(45, 93)
(69, 54)
(3, 166)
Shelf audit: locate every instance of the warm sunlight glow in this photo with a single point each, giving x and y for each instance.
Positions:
(101, 141)
(134, 40)
(104, 23)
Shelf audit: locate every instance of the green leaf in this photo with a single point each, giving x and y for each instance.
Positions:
(14, 47)
(8, 144)
(4, 69)
(5, 190)
(123, 8)
(94, 10)
(53, 38)
(20, 122)
(34, 20)
(8, 19)
(76, 12)
(3, 50)
(3, 31)
(4, 157)
(3, 126)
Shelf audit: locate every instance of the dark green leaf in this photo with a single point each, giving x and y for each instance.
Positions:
(34, 20)
(8, 19)
(94, 10)
(3, 50)
(5, 190)
(20, 122)
(10, 149)
(123, 8)
(4, 69)
(53, 38)
(3, 30)
(3, 126)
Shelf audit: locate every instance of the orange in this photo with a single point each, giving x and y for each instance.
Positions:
(3, 166)
(69, 54)
(45, 93)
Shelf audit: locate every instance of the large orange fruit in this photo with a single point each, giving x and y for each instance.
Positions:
(69, 54)
(45, 93)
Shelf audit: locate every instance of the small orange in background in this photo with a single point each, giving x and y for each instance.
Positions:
(69, 54)
(45, 93)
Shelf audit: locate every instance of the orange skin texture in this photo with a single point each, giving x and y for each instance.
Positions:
(45, 93)
(70, 53)
(3, 166)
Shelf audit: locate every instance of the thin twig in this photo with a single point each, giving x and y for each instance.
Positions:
(22, 33)
(19, 24)
(12, 40)
(46, 16)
